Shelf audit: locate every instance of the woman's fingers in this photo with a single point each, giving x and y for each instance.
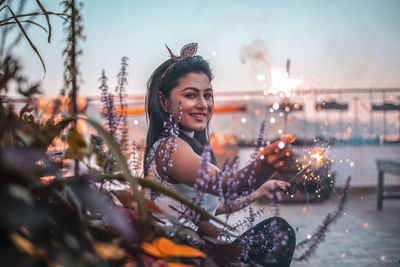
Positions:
(277, 146)
(284, 185)
(276, 157)
(281, 183)
(283, 164)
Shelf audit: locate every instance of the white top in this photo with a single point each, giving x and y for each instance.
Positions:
(210, 202)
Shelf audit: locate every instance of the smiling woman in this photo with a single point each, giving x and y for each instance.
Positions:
(195, 96)
(179, 106)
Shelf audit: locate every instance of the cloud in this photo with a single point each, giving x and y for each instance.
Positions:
(256, 55)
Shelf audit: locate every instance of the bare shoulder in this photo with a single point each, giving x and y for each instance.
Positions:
(177, 158)
(173, 148)
(172, 144)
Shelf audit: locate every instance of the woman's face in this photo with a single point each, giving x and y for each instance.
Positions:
(195, 94)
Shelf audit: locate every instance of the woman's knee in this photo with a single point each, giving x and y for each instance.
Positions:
(282, 223)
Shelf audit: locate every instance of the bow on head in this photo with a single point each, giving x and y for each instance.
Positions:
(188, 50)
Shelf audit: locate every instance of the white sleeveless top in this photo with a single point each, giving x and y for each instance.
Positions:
(210, 202)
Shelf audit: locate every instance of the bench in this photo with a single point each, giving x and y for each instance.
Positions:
(390, 167)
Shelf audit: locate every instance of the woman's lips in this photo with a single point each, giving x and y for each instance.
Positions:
(198, 116)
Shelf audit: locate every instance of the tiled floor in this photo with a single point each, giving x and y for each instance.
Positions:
(362, 237)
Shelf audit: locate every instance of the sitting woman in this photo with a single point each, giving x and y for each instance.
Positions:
(180, 90)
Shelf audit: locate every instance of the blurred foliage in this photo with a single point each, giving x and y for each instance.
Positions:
(13, 14)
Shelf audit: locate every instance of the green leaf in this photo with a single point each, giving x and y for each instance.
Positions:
(121, 160)
(76, 145)
(168, 192)
(75, 139)
(73, 154)
(183, 231)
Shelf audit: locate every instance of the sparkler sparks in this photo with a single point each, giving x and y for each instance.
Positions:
(313, 170)
(318, 156)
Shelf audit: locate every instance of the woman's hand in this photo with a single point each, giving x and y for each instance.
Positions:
(269, 188)
(277, 154)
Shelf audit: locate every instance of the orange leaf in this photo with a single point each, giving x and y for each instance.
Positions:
(164, 245)
(150, 249)
(169, 249)
(186, 251)
(174, 264)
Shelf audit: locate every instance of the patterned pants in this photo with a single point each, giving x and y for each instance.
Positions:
(269, 243)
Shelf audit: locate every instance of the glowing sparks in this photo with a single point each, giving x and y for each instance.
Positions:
(314, 160)
(281, 83)
(318, 156)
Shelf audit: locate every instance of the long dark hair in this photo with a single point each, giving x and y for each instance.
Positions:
(155, 114)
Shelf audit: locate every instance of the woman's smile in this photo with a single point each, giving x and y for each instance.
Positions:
(198, 116)
(195, 96)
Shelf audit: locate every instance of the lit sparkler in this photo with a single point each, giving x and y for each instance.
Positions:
(318, 157)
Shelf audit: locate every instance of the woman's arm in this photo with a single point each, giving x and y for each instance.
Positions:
(186, 165)
(264, 191)
(271, 158)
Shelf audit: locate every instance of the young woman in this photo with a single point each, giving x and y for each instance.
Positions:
(181, 86)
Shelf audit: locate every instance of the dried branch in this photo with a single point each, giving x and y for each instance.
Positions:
(330, 218)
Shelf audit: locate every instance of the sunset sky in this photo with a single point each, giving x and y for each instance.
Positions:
(331, 43)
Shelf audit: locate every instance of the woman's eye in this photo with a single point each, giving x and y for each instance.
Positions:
(208, 96)
(189, 95)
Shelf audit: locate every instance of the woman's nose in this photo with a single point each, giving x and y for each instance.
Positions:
(202, 103)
